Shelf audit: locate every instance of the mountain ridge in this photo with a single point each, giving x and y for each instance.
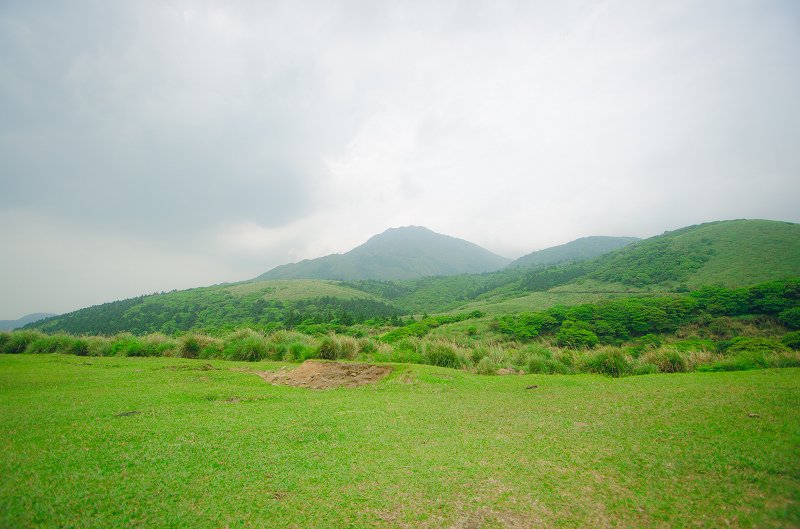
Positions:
(407, 252)
(580, 249)
(8, 325)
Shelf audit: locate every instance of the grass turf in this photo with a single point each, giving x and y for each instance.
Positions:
(161, 442)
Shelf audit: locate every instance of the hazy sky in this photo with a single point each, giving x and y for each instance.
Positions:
(146, 146)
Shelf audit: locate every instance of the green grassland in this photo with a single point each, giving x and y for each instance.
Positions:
(166, 442)
(296, 289)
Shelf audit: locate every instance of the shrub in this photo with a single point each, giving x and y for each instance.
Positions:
(190, 347)
(546, 366)
(367, 346)
(124, 344)
(19, 340)
(160, 345)
(60, 343)
(612, 362)
(762, 345)
(327, 349)
(246, 345)
(645, 369)
(790, 318)
(668, 361)
(486, 366)
(741, 362)
(441, 354)
(784, 359)
(576, 334)
(791, 340)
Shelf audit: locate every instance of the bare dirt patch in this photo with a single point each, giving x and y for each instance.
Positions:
(316, 374)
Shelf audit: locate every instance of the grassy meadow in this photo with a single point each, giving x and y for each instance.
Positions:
(169, 442)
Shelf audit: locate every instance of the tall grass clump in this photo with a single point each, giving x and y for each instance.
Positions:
(199, 346)
(667, 360)
(486, 366)
(612, 362)
(334, 347)
(442, 354)
(247, 345)
(19, 341)
(291, 346)
(58, 343)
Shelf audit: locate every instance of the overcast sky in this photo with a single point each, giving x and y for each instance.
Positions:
(146, 146)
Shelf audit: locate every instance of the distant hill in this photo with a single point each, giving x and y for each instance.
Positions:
(730, 253)
(7, 325)
(577, 250)
(398, 253)
(252, 303)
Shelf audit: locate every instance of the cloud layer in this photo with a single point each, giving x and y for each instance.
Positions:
(146, 146)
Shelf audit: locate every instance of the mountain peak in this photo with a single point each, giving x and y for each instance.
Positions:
(406, 252)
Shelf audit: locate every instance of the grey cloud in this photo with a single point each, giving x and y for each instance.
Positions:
(248, 134)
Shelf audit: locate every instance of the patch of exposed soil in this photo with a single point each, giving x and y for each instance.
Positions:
(316, 374)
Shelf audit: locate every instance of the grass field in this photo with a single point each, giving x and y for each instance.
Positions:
(294, 289)
(163, 442)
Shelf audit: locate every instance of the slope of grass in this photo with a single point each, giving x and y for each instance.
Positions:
(223, 307)
(297, 289)
(578, 250)
(746, 252)
(732, 253)
(123, 442)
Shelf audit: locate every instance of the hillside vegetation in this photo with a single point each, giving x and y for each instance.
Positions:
(712, 328)
(730, 253)
(577, 250)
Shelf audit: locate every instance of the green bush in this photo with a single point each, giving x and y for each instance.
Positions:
(190, 347)
(19, 340)
(576, 334)
(613, 363)
(753, 344)
(741, 362)
(486, 366)
(546, 366)
(791, 340)
(327, 349)
(59, 343)
(440, 354)
(250, 348)
(790, 318)
(784, 359)
(668, 361)
(645, 369)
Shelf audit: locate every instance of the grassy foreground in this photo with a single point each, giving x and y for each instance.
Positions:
(168, 442)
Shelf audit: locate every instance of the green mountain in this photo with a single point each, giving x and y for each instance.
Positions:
(265, 304)
(398, 253)
(577, 250)
(731, 253)
(728, 253)
(7, 325)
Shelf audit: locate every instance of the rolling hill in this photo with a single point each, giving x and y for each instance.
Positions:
(7, 325)
(398, 253)
(577, 250)
(728, 253)
(731, 253)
